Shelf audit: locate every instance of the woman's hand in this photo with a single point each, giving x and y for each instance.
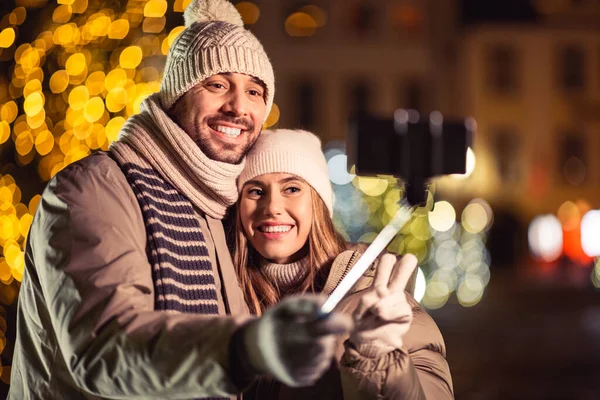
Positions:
(383, 315)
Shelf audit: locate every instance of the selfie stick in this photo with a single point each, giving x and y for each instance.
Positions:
(381, 241)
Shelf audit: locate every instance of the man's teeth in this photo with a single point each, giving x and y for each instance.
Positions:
(276, 229)
(232, 132)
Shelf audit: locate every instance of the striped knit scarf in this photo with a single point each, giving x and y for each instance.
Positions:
(181, 267)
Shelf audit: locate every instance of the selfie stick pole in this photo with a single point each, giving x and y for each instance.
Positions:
(379, 244)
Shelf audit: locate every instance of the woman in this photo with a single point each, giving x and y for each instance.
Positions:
(286, 243)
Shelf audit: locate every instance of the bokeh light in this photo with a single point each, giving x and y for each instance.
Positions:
(545, 237)
(590, 233)
(443, 216)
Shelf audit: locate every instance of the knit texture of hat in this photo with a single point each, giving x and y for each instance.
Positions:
(214, 41)
(293, 152)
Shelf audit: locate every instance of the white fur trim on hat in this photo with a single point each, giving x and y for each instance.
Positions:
(295, 152)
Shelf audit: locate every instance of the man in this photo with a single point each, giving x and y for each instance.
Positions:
(129, 289)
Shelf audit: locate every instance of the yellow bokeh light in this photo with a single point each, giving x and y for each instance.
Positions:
(391, 201)
(75, 64)
(131, 57)
(33, 203)
(95, 83)
(116, 99)
(99, 26)
(154, 25)
(115, 78)
(66, 34)
(78, 97)
(249, 12)
(59, 81)
(24, 143)
(62, 14)
(113, 127)
(68, 2)
(371, 186)
(155, 8)
(118, 29)
(34, 85)
(12, 250)
(17, 17)
(44, 142)
(98, 137)
(30, 59)
(93, 109)
(180, 5)
(4, 270)
(300, 24)
(9, 111)
(4, 131)
(20, 50)
(6, 195)
(76, 154)
(273, 117)
(316, 13)
(7, 38)
(25, 224)
(33, 104)
(82, 129)
(79, 79)
(38, 120)
(173, 35)
(79, 6)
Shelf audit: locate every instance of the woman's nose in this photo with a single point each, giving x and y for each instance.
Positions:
(273, 204)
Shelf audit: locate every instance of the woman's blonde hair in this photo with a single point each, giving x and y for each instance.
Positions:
(324, 244)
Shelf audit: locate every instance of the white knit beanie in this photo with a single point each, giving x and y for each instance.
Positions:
(214, 41)
(293, 152)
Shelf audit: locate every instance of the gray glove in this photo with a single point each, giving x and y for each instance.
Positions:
(291, 344)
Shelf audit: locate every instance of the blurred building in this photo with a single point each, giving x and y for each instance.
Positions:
(534, 89)
(335, 58)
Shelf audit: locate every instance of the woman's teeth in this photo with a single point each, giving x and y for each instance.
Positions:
(231, 132)
(275, 229)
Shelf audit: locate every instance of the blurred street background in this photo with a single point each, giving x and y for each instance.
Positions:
(509, 264)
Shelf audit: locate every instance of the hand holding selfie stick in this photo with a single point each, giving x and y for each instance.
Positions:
(424, 150)
(381, 241)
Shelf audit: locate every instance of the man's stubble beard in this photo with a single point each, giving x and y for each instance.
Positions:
(224, 154)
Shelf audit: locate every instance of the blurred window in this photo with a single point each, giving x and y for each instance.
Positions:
(502, 69)
(572, 160)
(571, 67)
(410, 95)
(305, 104)
(362, 18)
(506, 145)
(360, 96)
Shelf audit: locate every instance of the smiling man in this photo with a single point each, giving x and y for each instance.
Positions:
(129, 290)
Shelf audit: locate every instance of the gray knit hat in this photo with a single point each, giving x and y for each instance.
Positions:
(214, 41)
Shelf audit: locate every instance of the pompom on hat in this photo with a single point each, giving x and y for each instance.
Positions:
(295, 152)
(214, 41)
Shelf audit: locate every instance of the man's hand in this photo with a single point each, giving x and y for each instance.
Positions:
(291, 343)
(384, 315)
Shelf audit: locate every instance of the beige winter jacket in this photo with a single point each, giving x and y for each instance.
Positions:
(87, 328)
(418, 371)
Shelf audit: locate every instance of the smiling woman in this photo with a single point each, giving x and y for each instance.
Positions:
(286, 244)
